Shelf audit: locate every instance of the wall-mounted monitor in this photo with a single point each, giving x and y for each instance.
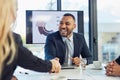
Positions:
(40, 23)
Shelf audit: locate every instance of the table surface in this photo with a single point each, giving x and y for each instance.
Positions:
(90, 73)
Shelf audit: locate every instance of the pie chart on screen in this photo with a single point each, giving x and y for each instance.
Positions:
(42, 29)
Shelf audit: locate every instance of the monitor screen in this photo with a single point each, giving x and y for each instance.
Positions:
(40, 23)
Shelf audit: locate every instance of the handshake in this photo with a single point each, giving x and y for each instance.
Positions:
(56, 67)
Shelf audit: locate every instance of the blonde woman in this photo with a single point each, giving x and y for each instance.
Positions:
(12, 51)
(7, 45)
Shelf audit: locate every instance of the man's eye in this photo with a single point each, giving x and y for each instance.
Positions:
(67, 23)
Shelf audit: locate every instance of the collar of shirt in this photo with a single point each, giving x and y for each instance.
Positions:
(70, 38)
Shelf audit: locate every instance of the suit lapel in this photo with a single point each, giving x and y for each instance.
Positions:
(76, 43)
(61, 45)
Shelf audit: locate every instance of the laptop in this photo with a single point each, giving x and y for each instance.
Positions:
(68, 67)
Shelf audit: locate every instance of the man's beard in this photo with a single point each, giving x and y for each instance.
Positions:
(65, 33)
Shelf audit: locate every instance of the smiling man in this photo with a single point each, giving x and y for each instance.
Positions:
(56, 47)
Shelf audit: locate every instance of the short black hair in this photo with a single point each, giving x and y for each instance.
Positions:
(68, 14)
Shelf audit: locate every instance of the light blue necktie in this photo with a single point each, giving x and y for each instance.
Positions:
(69, 51)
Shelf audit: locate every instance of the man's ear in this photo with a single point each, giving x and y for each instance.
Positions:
(74, 26)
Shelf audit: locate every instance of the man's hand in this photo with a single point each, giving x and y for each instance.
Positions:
(56, 67)
(76, 61)
(113, 69)
(109, 68)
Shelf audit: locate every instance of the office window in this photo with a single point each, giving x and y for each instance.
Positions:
(108, 29)
(80, 5)
(23, 5)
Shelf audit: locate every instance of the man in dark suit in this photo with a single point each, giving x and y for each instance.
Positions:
(55, 43)
(27, 60)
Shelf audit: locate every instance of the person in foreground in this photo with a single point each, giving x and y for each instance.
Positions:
(55, 45)
(12, 51)
(113, 68)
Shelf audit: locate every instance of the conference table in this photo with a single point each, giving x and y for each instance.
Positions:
(90, 73)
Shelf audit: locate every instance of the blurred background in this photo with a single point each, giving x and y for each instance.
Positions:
(101, 24)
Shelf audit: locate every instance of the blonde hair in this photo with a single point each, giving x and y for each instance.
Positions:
(7, 45)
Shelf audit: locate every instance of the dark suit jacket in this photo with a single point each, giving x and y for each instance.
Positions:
(118, 60)
(25, 59)
(55, 47)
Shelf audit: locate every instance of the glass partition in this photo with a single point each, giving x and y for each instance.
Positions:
(108, 29)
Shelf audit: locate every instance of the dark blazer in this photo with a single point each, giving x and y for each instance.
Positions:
(25, 59)
(55, 47)
(118, 60)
